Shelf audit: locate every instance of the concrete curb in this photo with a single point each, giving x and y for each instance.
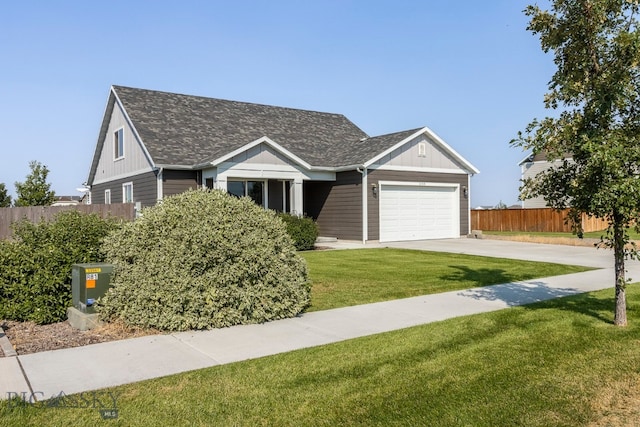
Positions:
(5, 345)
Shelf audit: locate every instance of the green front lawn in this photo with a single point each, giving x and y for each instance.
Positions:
(556, 363)
(343, 278)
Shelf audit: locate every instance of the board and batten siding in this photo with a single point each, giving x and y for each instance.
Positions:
(373, 202)
(336, 206)
(145, 189)
(408, 155)
(178, 181)
(135, 159)
(260, 154)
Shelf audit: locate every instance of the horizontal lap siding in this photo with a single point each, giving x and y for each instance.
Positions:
(176, 182)
(373, 205)
(145, 189)
(336, 206)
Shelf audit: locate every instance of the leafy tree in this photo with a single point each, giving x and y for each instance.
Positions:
(5, 198)
(596, 130)
(35, 190)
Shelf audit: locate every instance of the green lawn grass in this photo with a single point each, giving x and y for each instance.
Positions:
(351, 277)
(555, 363)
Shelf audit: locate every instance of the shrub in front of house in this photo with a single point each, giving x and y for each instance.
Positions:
(35, 273)
(303, 230)
(204, 259)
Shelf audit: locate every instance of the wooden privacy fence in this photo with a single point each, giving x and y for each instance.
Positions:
(46, 213)
(545, 219)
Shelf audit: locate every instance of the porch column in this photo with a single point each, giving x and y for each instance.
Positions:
(365, 213)
(221, 184)
(296, 199)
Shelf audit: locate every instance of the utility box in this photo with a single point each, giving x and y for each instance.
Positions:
(88, 283)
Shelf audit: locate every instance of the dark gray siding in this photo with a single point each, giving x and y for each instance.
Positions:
(178, 181)
(336, 206)
(373, 207)
(145, 189)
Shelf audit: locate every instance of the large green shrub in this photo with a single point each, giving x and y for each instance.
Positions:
(303, 230)
(35, 273)
(204, 259)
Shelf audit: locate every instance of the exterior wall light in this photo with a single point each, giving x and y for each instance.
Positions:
(374, 188)
(465, 191)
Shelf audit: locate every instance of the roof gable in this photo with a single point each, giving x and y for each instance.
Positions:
(391, 142)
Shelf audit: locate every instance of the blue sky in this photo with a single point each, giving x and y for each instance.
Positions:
(468, 70)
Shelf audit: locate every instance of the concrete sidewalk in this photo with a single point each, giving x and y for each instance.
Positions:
(109, 364)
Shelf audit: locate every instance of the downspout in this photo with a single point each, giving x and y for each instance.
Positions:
(365, 223)
(160, 188)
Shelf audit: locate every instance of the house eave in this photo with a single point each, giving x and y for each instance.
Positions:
(178, 167)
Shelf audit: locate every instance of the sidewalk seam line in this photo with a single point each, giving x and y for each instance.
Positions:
(24, 374)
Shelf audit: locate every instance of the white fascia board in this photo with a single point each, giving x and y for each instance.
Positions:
(133, 128)
(178, 167)
(432, 135)
(263, 140)
(257, 170)
(99, 152)
(526, 159)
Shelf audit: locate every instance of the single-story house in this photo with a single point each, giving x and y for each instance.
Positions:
(531, 166)
(407, 185)
(66, 201)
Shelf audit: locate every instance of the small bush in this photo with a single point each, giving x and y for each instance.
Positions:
(204, 259)
(35, 278)
(303, 230)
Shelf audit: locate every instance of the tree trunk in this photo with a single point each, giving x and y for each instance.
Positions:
(620, 318)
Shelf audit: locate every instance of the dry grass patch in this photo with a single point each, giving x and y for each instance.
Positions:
(618, 403)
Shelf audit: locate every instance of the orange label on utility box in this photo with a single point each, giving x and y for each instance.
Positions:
(91, 284)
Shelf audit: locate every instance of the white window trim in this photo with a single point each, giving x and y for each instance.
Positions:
(124, 193)
(422, 149)
(107, 196)
(115, 132)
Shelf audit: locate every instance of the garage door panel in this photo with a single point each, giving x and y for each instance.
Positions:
(410, 212)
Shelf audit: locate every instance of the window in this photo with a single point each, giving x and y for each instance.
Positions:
(209, 183)
(118, 144)
(422, 149)
(107, 197)
(127, 192)
(253, 189)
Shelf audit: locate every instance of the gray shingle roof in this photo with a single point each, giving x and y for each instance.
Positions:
(191, 130)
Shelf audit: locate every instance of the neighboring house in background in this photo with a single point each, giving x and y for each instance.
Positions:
(407, 185)
(66, 201)
(530, 166)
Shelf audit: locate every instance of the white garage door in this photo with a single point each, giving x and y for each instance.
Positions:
(418, 212)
